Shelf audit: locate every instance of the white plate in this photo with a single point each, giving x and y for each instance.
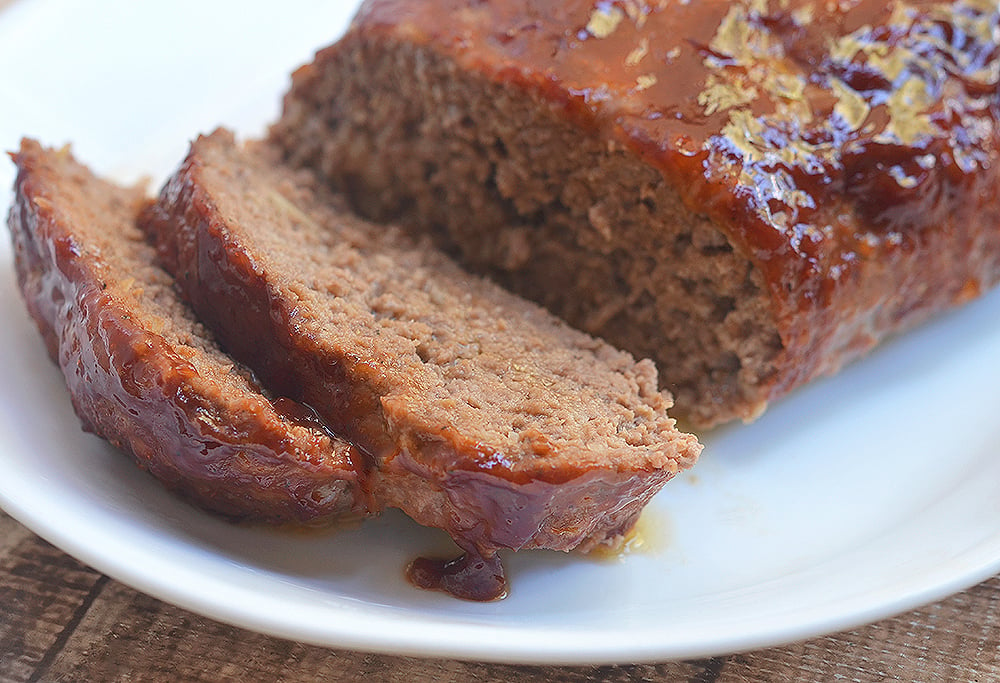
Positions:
(859, 497)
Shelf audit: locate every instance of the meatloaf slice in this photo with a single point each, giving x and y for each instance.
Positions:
(751, 193)
(144, 374)
(482, 414)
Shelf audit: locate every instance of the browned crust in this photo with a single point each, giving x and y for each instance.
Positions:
(846, 152)
(433, 477)
(236, 455)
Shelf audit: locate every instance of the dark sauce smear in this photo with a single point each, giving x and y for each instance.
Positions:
(469, 576)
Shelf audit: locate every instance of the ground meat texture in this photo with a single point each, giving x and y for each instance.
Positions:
(481, 413)
(750, 193)
(144, 374)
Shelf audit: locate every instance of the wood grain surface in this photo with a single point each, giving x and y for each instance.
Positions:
(62, 621)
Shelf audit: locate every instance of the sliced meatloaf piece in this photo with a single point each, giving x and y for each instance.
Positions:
(482, 414)
(144, 374)
(751, 193)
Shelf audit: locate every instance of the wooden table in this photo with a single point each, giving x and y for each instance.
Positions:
(62, 621)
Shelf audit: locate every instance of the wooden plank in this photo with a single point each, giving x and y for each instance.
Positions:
(957, 639)
(127, 636)
(43, 593)
(11, 533)
(60, 620)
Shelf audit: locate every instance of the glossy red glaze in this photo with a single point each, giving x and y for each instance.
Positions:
(848, 148)
(469, 577)
(439, 478)
(131, 386)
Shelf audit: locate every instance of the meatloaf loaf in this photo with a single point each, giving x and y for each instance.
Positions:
(752, 192)
(144, 374)
(482, 414)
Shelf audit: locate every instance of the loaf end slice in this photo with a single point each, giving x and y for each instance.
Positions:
(144, 374)
(482, 414)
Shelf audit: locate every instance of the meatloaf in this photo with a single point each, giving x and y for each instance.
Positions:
(144, 374)
(482, 414)
(752, 192)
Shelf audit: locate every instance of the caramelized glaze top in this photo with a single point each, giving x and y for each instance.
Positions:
(830, 139)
